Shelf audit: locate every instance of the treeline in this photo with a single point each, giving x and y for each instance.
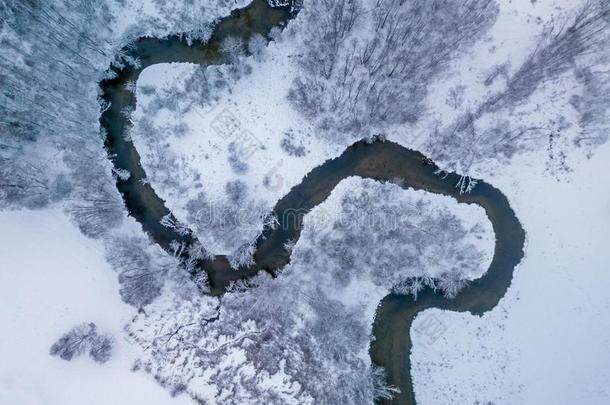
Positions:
(366, 65)
(311, 324)
(572, 56)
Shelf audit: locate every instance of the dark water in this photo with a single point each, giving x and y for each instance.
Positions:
(382, 161)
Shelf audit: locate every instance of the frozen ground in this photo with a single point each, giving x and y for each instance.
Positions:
(547, 340)
(545, 343)
(315, 317)
(259, 119)
(52, 278)
(144, 17)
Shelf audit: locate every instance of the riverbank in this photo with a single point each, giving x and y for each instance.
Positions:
(545, 342)
(382, 161)
(226, 350)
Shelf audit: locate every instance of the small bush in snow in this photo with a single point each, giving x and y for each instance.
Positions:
(80, 339)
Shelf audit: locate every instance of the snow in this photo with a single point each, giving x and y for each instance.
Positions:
(231, 345)
(159, 18)
(547, 340)
(502, 44)
(364, 292)
(52, 278)
(257, 103)
(544, 342)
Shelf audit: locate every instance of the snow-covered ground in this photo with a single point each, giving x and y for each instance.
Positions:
(355, 247)
(545, 343)
(134, 18)
(547, 340)
(254, 116)
(52, 278)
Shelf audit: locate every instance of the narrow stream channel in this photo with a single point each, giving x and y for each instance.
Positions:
(382, 161)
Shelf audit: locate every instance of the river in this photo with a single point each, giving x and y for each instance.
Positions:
(382, 161)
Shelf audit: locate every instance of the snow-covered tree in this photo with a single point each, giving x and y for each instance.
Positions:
(576, 46)
(80, 339)
(143, 269)
(257, 44)
(368, 65)
(233, 48)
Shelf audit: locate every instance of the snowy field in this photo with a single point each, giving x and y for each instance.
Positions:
(546, 342)
(252, 115)
(51, 278)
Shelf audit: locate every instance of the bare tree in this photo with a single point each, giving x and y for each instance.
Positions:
(100, 348)
(233, 48)
(350, 83)
(582, 39)
(80, 339)
(257, 46)
(141, 274)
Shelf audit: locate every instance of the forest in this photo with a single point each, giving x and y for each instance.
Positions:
(360, 69)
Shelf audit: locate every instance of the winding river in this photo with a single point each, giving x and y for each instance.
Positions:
(382, 161)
